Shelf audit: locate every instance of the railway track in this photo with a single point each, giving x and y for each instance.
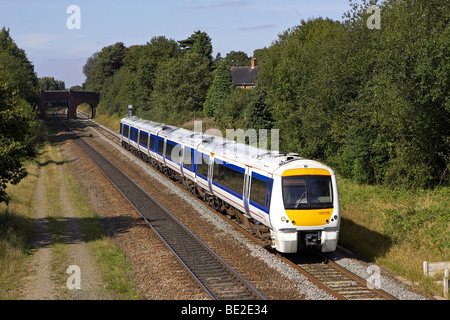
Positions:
(336, 280)
(219, 280)
(326, 274)
(114, 137)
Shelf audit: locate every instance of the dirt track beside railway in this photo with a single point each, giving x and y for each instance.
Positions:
(54, 252)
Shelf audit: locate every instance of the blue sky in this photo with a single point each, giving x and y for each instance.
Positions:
(39, 26)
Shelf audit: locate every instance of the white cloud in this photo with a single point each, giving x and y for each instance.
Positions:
(224, 4)
(36, 40)
(259, 27)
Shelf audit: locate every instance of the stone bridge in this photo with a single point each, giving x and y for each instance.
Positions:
(71, 99)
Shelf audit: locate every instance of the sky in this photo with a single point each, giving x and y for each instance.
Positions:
(59, 48)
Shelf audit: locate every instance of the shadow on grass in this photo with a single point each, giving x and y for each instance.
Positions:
(365, 242)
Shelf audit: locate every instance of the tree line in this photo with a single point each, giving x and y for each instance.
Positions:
(372, 103)
(19, 100)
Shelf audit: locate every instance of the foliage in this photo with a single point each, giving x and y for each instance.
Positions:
(236, 58)
(219, 91)
(101, 67)
(374, 104)
(50, 83)
(199, 42)
(160, 79)
(18, 101)
(180, 88)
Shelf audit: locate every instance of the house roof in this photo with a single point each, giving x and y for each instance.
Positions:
(244, 76)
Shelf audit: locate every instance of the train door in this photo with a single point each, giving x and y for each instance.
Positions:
(210, 171)
(246, 193)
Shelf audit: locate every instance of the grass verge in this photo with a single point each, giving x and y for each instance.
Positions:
(397, 229)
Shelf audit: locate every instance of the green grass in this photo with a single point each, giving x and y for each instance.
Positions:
(16, 231)
(398, 229)
(113, 264)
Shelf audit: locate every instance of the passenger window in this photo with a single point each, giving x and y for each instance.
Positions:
(258, 191)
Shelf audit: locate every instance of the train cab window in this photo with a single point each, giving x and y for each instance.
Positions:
(307, 192)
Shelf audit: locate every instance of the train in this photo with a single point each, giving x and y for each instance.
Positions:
(289, 202)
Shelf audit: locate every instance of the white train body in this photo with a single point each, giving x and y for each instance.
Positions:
(295, 198)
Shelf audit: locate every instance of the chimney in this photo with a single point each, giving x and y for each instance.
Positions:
(253, 62)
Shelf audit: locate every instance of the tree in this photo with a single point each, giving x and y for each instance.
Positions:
(109, 60)
(237, 59)
(199, 42)
(300, 74)
(372, 103)
(219, 91)
(257, 112)
(18, 98)
(50, 83)
(402, 100)
(180, 89)
(18, 69)
(88, 67)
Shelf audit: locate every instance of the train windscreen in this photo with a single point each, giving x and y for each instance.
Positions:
(307, 192)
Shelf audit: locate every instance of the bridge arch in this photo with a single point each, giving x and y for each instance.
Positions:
(70, 98)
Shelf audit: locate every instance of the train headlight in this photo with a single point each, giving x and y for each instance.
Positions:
(283, 218)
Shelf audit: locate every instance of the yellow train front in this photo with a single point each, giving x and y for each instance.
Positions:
(305, 212)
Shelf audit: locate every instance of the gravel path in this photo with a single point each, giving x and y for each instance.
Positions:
(39, 285)
(44, 280)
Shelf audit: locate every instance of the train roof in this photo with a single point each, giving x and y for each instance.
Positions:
(228, 150)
